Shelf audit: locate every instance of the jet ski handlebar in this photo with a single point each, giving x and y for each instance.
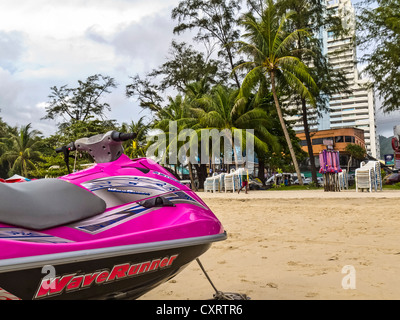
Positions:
(69, 147)
(105, 147)
(120, 136)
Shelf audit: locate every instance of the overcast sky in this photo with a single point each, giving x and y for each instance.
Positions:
(45, 43)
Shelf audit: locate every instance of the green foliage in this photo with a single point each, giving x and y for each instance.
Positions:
(22, 153)
(222, 110)
(80, 103)
(25, 152)
(215, 21)
(137, 147)
(51, 167)
(184, 66)
(395, 186)
(271, 48)
(77, 129)
(5, 131)
(294, 187)
(356, 151)
(312, 15)
(278, 46)
(147, 93)
(379, 32)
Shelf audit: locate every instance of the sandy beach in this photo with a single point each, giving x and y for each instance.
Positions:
(295, 245)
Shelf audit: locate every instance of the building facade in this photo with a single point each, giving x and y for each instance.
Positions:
(348, 110)
(333, 139)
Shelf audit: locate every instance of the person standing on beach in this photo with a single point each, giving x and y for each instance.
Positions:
(245, 182)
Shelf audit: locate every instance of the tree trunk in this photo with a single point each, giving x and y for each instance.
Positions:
(348, 164)
(309, 144)
(201, 170)
(192, 182)
(24, 170)
(233, 66)
(176, 172)
(235, 156)
(261, 167)
(305, 124)
(285, 131)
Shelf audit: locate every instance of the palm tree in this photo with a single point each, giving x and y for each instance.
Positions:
(273, 57)
(221, 110)
(23, 150)
(313, 15)
(5, 131)
(177, 112)
(136, 149)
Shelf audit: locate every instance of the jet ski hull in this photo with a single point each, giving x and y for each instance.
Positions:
(125, 272)
(112, 231)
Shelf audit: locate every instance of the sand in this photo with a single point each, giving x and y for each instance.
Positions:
(295, 245)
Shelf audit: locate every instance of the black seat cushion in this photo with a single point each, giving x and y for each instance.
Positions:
(46, 203)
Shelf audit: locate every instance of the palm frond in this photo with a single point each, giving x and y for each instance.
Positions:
(251, 79)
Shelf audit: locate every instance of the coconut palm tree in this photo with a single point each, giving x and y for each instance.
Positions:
(136, 148)
(23, 150)
(313, 15)
(5, 131)
(221, 110)
(172, 120)
(273, 57)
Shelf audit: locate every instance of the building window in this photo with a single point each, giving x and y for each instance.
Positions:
(349, 139)
(317, 141)
(339, 139)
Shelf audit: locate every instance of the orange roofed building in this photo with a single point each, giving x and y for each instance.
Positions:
(337, 138)
(334, 139)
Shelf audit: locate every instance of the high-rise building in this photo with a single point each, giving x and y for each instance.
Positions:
(357, 109)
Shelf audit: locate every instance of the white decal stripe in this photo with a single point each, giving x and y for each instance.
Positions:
(5, 295)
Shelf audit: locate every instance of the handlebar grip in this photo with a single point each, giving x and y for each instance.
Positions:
(69, 147)
(119, 136)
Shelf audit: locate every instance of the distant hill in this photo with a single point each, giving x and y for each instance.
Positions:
(385, 146)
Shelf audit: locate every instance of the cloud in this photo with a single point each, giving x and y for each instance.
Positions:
(147, 40)
(71, 17)
(386, 122)
(12, 46)
(17, 106)
(8, 90)
(45, 43)
(141, 45)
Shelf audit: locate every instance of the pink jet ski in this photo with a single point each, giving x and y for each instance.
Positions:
(113, 231)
